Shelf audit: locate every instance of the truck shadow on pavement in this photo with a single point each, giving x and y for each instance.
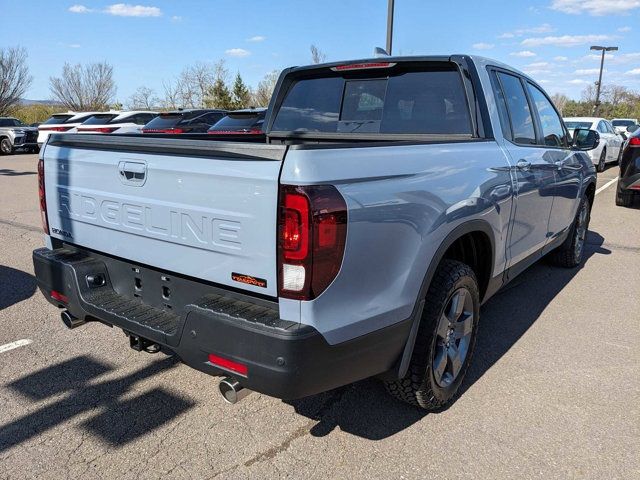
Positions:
(365, 409)
(12, 173)
(118, 420)
(15, 286)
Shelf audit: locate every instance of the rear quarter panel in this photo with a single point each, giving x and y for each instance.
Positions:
(403, 200)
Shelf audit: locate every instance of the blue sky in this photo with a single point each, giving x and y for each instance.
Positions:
(152, 41)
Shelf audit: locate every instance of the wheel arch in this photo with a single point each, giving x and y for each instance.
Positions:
(473, 240)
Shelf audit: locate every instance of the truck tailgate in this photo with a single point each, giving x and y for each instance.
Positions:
(200, 208)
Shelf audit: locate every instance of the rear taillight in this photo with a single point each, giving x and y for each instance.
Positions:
(98, 129)
(634, 141)
(54, 129)
(42, 197)
(162, 130)
(312, 235)
(253, 131)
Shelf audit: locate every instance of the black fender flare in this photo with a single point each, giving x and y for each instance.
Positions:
(470, 226)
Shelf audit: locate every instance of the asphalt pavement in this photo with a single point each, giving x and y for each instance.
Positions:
(553, 392)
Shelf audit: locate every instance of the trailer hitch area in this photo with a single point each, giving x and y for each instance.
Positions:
(141, 344)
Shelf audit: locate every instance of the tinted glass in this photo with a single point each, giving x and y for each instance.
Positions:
(552, 131)
(412, 102)
(572, 124)
(164, 121)
(57, 119)
(79, 119)
(519, 114)
(99, 119)
(502, 108)
(622, 123)
(7, 122)
(602, 128)
(239, 122)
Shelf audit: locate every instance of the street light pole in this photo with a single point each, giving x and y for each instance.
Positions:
(390, 26)
(596, 106)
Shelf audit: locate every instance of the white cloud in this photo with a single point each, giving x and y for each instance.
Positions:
(625, 29)
(483, 46)
(635, 71)
(124, 10)
(127, 10)
(523, 54)
(176, 18)
(560, 58)
(257, 38)
(74, 45)
(578, 81)
(79, 9)
(544, 28)
(538, 65)
(588, 71)
(237, 52)
(614, 59)
(595, 7)
(564, 40)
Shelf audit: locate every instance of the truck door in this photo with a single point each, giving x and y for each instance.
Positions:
(533, 170)
(568, 171)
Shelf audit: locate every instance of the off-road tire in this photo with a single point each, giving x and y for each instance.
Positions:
(419, 386)
(567, 254)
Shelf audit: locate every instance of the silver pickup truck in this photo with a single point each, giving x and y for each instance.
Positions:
(392, 197)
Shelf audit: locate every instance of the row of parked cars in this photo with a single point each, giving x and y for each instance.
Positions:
(613, 135)
(16, 135)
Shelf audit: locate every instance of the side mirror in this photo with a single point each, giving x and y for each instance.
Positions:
(585, 139)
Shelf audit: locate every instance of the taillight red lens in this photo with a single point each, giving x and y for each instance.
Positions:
(59, 296)
(54, 129)
(162, 130)
(98, 129)
(227, 364)
(312, 235)
(42, 197)
(362, 66)
(634, 141)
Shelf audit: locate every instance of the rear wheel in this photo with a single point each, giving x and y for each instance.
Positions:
(602, 162)
(5, 146)
(445, 341)
(624, 198)
(571, 252)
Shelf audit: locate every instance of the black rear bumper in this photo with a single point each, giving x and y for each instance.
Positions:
(284, 359)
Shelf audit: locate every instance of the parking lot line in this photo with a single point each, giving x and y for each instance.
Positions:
(608, 184)
(16, 344)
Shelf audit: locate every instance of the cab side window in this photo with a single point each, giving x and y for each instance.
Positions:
(552, 131)
(522, 127)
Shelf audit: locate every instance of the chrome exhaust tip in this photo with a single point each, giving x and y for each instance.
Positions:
(70, 320)
(232, 391)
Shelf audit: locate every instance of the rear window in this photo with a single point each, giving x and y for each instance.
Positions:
(99, 119)
(429, 101)
(79, 119)
(572, 125)
(57, 119)
(164, 121)
(622, 123)
(240, 121)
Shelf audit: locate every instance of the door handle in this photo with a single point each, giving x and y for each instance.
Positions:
(132, 172)
(523, 164)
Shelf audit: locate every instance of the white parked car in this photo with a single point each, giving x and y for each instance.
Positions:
(610, 146)
(61, 123)
(116, 122)
(621, 125)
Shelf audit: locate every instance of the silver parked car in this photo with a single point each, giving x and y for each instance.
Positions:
(14, 134)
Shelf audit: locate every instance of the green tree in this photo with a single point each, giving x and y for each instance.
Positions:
(241, 93)
(219, 96)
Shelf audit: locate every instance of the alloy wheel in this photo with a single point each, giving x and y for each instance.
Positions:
(453, 337)
(581, 231)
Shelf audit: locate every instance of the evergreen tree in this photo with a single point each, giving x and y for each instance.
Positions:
(241, 93)
(219, 96)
